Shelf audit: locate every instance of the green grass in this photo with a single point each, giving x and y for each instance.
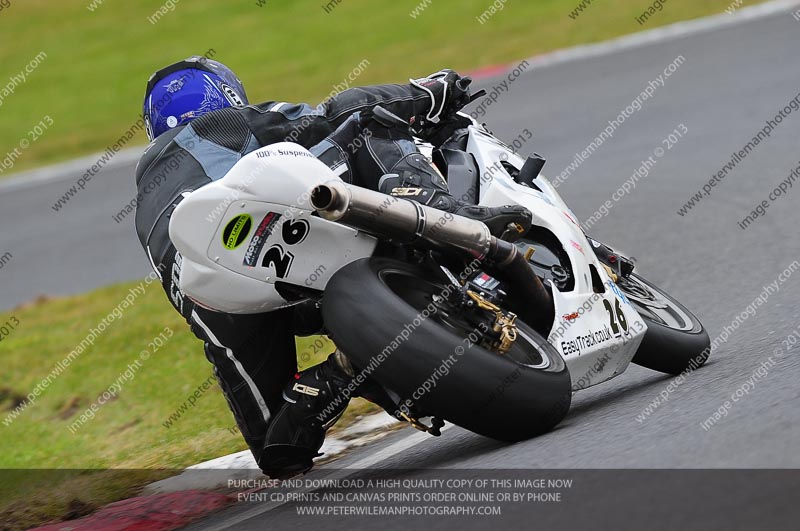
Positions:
(91, 84)
(127, 432)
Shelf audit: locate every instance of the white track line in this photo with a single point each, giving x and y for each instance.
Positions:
(393, 449)
(390, 451)
(665, 33)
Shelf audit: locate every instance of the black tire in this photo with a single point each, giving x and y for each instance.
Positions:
(371, 302)
(675, 340)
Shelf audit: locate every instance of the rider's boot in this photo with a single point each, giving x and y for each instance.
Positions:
(315, 399)
(414, 176)
(507, 222)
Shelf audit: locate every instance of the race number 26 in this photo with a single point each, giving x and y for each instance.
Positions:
(292, 233)
(616, 317)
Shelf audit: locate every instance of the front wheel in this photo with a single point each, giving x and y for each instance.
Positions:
(384, 315)
(675, 340)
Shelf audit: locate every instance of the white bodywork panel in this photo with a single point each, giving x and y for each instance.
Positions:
(240, 235)
(599, 342)
(254, 227)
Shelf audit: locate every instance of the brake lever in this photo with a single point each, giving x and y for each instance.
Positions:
(477, 95)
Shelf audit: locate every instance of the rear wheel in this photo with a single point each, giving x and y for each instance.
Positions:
(675, 340)
(387, 317)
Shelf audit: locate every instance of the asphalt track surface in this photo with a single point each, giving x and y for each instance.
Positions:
(733, 80)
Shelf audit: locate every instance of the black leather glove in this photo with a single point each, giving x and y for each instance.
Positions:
(448, 91)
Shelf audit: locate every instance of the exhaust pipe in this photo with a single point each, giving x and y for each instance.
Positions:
(400, 219)
(408, 221)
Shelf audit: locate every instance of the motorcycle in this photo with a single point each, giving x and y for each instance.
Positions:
(491, 334)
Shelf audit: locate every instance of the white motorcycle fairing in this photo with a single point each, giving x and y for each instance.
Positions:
(232, 262)
(596, 328)
(240, 235)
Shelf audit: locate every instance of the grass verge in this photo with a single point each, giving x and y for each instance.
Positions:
(129, 431)
(92, 80)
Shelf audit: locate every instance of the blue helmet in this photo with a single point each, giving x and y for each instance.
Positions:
(180, 92)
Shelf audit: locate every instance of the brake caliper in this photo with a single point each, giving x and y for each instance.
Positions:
(504, 324)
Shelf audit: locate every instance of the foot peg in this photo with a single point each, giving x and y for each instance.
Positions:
(513, 232)
(434, 429)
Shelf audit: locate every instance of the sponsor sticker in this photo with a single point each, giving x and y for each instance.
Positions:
(231, 95)
(571, 316)
(265, 154)
(260, 237)
(582, 342)
(486, 282)
(174, 86)
(613, 287)
(236, 231)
